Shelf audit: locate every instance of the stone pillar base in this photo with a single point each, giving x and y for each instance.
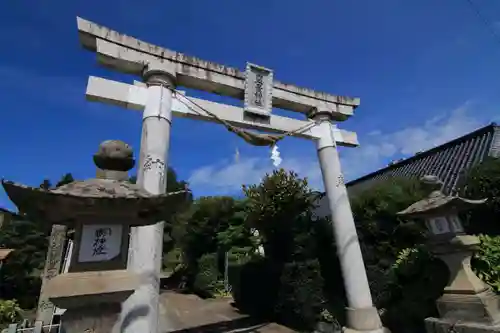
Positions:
(435, 325)
(483, 307)
(366, 320)
(380, 330)
(98, 318)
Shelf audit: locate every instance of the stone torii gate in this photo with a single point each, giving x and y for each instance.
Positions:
(162, 70)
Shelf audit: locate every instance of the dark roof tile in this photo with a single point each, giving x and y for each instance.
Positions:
(449, 161)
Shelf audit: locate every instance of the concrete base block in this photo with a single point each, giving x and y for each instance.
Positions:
(79, 289)
(483, 307)
(380, 330)
(366, 320)
(435, 325)
(100, 318)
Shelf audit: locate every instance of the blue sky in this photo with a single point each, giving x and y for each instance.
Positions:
(426, 71)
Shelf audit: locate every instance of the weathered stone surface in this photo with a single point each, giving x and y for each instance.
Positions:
(76, 290)
(128, 54)
(91, 197)
(4, 253)
(482, 307)
(114, 155)
(100, 318)
(435, 325)
(189, 313)
(437, 202)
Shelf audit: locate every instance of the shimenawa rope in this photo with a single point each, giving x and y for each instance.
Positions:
(256, 139)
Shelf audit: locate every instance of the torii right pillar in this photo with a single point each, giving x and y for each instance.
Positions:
(362, 315)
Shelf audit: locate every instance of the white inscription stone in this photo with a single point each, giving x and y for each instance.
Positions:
(100, 242)
(258, 90)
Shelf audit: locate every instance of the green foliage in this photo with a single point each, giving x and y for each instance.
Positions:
(300, 296)
(287, 284)
(172, 260)
(257, 283)
(236, 236)
(486, 261)
(211, 225)
(415, 281)
(280, 207)
(483, 181)
(10, 312)
(207, 278)
(66, 179)
(382, 232)
(403, 276)
(20, 274)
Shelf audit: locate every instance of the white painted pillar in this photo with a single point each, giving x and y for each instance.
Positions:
(362, 316)
(140, 310)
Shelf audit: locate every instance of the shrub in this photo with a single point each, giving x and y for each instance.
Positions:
(10, 312)
(483, 181)
(382, 232)
(299, 302)
(206, 281)
(256, 287)
(486, 261)
(417, 279)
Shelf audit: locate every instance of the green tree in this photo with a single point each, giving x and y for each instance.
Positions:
(66, 179)
(280, 207)
(287, 284)
(20, 274)
(210, 225)
(382, 232)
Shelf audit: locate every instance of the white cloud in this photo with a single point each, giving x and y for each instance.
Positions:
(407, 141)
(228, 176)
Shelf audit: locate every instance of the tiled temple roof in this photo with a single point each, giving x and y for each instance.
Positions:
(449, 161)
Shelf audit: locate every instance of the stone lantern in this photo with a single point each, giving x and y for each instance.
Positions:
(467, 302)
(101, 212)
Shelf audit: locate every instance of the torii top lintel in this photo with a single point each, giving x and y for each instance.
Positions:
(129, 55)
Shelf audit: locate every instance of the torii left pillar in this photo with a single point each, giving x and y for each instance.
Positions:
(146, 243)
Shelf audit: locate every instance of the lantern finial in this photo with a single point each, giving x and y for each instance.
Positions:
(114, 159)
(431, 183)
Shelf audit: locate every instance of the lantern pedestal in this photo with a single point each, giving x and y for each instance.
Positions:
(466, 300)
(468, 305)
(81, 289)
(92, 299)
(98, 318)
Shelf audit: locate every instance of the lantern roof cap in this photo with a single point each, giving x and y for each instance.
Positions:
(437, 202)
(4, 253)
(110, 193)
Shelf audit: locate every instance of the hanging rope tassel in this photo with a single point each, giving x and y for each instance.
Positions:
(275, 156)
(237, 156)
